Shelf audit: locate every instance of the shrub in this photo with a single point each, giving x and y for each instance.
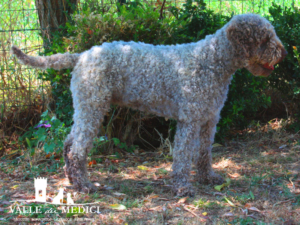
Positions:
(48, 134)
(286, 77)
(200, 21)
(139, 23)
(245, 98)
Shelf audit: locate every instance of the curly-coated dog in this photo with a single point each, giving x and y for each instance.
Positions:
(186, 82)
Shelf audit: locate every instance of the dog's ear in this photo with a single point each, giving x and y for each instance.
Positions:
(246, 32)
(239, 33)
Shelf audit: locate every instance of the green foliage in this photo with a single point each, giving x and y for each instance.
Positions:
(49, 133)
(205, 204)
(60, 82)
(199, 21)
(123, 145)
(99, 144)
(139, 23)
(245, 98)
(286, 76)
(62, 97)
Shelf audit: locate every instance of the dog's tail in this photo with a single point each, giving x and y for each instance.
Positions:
(56, 61)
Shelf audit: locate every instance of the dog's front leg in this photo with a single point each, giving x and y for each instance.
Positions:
(187, 140)
(203, 157)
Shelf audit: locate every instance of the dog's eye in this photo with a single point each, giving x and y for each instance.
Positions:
(264, 44)
(265, 40)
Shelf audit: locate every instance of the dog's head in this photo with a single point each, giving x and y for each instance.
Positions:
(255, 41)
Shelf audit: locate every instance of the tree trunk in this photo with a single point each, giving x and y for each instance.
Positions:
(53, 14)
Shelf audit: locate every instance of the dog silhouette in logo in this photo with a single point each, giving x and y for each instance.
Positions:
(69, 199)
(58, 199)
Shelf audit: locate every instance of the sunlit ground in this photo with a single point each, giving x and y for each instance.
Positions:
(264, 186)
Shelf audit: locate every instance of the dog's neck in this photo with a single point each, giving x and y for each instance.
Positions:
(222, 52)
(232, 57)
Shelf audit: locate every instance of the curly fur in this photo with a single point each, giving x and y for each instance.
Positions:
(187, 82)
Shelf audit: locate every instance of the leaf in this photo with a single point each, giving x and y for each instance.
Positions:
(119, 194)
(229, 202)
(153, 196)
(49, 147)
(220, 187)
(254, 209)
(90, 32)
(14, 187)
(143, 168)
(217, 145)
(182, 200)
(251, 195)
(28, 142)
(247, 205)
(41, 134)
(93, 162)
(116, 141)
(122, 145)
(44, 114)
(227, 214)
(118, 206)
(102, 138)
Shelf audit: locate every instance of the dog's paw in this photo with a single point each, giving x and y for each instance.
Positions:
(184, 190)
(89, 188)
(86, 187)
(82, 183)
(210, 178)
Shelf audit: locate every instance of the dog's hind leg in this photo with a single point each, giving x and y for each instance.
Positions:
(203, 157)
(89, 110)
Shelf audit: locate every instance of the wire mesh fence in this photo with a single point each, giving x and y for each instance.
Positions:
(19, 87)
(247, 6)
(19, 25)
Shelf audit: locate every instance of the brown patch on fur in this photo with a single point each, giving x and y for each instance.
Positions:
(75, 169)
